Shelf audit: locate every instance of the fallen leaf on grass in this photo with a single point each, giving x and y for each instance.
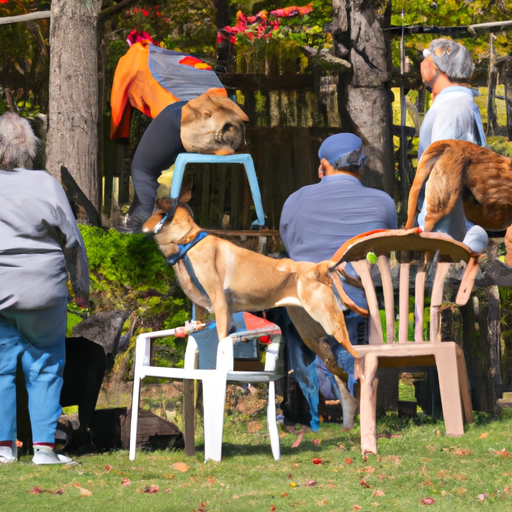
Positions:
(38, 490)
(284, 494)
(321, 503)
(310, 483)
(331, 485)
(84, 492)
(482, 497)
(168, 490)
(427, 501)
(356, 507)
(253, 427)
(348, 461)
(462, 451)
(317, 461)
(152, 489)
(317, 442)
(108, 468)
(180, 466)
(379, 493)
(272, 507)
(282, 434)
(503, 453)
(293, 484)
(125, 481)
(364, 484)
(484, 435)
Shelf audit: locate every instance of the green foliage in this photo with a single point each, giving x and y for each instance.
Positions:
(129, 259)
(73, 319)
(449, 13)
(501, 145)
(24, 65)
(128, 272)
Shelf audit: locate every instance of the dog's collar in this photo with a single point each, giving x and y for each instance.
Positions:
(184, 248)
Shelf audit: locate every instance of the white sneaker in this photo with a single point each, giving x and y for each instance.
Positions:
(45, 455)
(6, 455)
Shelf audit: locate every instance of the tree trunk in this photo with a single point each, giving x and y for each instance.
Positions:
(364, 96)
(73, 97)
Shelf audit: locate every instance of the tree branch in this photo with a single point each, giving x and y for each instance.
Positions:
(39, 15)
(110, 11)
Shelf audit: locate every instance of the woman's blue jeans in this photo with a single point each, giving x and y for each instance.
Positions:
(38, 339)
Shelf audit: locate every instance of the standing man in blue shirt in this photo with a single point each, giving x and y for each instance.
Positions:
(445, 70)
(316, 220)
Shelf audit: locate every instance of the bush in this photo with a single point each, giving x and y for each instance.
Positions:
(128, 272)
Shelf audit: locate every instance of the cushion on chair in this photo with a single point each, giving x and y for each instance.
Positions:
(207, 339)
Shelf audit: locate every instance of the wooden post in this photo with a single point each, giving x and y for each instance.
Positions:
(507, 78)
(491, 90)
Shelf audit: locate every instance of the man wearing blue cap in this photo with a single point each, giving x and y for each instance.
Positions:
(317, 219)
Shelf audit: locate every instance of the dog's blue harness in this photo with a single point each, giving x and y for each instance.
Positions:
(182, 254)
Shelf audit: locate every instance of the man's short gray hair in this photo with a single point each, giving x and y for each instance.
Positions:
(18, 143)
(452, 58)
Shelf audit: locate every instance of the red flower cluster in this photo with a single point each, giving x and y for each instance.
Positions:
(262, 25)
(136, 36)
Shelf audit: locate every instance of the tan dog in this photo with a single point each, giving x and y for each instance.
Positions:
(459, 167)
(212, 125)
(236, 279)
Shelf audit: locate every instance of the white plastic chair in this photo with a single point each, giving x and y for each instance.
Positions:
(214, 384)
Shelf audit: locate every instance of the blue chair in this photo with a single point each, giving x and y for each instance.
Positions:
(243, 158)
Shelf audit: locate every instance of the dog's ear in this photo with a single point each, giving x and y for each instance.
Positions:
(163, 204)
(190, 114)
(205, 104)
(231, 105)
(185, 196)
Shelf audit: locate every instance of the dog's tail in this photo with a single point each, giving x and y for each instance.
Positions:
(18, 144)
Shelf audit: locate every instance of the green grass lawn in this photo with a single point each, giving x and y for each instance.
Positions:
(326, 472)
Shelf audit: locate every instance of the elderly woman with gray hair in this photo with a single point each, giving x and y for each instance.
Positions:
(40, 243)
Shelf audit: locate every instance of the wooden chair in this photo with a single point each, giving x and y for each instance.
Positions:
(212, 362)
(413, 249)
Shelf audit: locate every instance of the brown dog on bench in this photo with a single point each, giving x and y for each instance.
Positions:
(224, 278)
(459, 167)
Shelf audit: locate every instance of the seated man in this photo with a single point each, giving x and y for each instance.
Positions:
(315, 221)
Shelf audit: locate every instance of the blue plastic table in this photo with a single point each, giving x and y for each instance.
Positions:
(243, 158)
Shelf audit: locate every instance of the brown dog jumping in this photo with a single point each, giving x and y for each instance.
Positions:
(224, 278)
(459, 167)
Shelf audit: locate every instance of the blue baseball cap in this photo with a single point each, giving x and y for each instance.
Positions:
(343, 150)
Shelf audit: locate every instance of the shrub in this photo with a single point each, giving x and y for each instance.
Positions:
(128, 272)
